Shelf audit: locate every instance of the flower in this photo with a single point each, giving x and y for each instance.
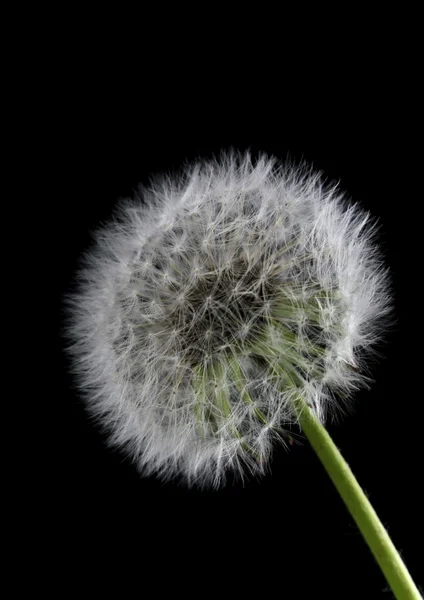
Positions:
(211, 302)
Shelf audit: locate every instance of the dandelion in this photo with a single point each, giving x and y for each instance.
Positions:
(220, 308)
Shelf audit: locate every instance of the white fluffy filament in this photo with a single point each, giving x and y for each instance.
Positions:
(213, 299)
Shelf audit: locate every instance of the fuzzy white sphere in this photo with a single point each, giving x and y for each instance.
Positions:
(213, 300)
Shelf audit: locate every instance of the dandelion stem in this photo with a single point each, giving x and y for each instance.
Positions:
(359, 506)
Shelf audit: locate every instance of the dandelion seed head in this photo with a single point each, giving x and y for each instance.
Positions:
(202, 311)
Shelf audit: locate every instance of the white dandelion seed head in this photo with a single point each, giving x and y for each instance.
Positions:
(203, 311)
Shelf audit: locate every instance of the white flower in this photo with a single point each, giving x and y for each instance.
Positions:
(207, 307)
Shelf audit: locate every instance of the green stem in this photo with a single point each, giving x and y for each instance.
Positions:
(359, 506)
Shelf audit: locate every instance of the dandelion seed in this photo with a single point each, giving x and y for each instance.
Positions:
(251, 276)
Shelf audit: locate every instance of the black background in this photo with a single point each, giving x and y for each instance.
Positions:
(287, 534)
